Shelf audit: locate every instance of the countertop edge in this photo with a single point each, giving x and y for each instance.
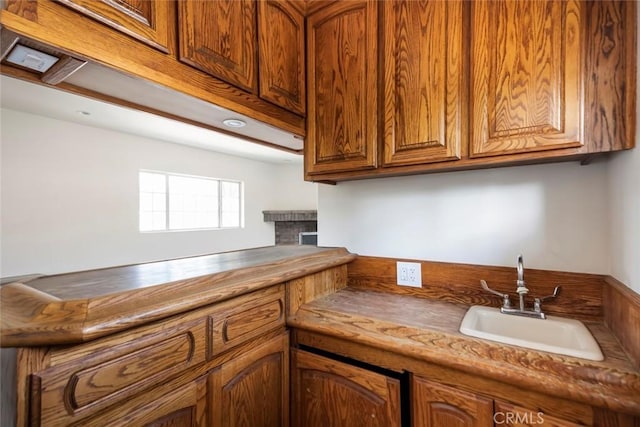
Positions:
(33, 318)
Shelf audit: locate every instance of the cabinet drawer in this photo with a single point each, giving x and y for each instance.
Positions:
(244, 318)
(93, 376)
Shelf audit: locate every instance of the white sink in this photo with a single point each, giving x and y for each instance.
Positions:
(553, 334)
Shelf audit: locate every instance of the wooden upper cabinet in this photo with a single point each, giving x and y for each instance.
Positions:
(281, 54)
(328, 393)
(150, 21)
(526, 76)
(219, 38)
(423, 81)
(435, 405)
(342, 56)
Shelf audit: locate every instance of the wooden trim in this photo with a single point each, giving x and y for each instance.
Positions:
(308, 288)
(66, 66)
(622, 316)
(88, 93)
(581, 294)
(312, 6)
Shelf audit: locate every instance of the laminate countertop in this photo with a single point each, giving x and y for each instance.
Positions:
(78, 307)
(427, 330)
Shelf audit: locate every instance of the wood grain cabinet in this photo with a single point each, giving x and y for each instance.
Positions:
(466, 85)
(252, 390)
(329, 393)
(342, 53)
(222, 365)
(423, 80)
(435, 405)
(506, 414)
(281, 62)
(150, 21)
(527, 76)
(219, 38)
(257, 46)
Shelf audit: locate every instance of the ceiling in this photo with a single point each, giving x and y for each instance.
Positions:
(47, 101)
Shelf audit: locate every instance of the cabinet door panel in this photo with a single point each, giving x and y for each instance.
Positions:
(282, 66)
(327, 393)
(342, 89)
(219, 38)
(527, 71)
(435, 405)
(165, 406)
(150, 21)
(423, 57)
(253, 389)
(507, 414)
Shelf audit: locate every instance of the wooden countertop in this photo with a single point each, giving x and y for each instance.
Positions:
(427, 330)
(77, 307)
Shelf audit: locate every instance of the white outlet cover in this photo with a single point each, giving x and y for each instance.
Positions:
(409, 274)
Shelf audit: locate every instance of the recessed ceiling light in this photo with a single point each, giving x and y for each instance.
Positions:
(234, 123)
(83, 113)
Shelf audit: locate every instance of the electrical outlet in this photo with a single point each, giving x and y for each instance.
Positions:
(409, 274)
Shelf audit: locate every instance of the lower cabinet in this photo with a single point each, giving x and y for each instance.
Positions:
(221, 365)
(329, 393)
(252, 390)
(506, 414)
(185, 406)
(435, 405)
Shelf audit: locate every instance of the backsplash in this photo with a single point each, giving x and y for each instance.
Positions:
(289, 224)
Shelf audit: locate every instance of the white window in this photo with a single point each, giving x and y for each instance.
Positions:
(180, 202)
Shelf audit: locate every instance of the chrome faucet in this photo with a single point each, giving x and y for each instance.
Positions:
(521, 290)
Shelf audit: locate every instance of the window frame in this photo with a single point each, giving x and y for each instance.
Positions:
(167, 211)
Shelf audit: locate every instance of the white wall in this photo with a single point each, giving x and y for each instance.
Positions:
(624, 203)
(69, 197)
(555, 215)
(292, 192)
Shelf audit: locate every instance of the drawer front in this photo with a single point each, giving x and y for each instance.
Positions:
(115, 369)
(244, 318)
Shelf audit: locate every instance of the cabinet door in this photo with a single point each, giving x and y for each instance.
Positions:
(327, 393)
(281, 64)
(423, 81)
(219, 38)
(342, 87)
(507, 414)
(526, 76)
(252, 390)
(182, 406)
(436, 405)
(150, 21)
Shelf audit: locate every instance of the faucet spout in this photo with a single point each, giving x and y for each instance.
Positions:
(521, 288)
(520, 268)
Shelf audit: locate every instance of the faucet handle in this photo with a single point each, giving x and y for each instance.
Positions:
(556, 292)
(537, 302)
(506, 303)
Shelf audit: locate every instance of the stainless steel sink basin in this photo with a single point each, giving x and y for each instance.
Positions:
(553, 334)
